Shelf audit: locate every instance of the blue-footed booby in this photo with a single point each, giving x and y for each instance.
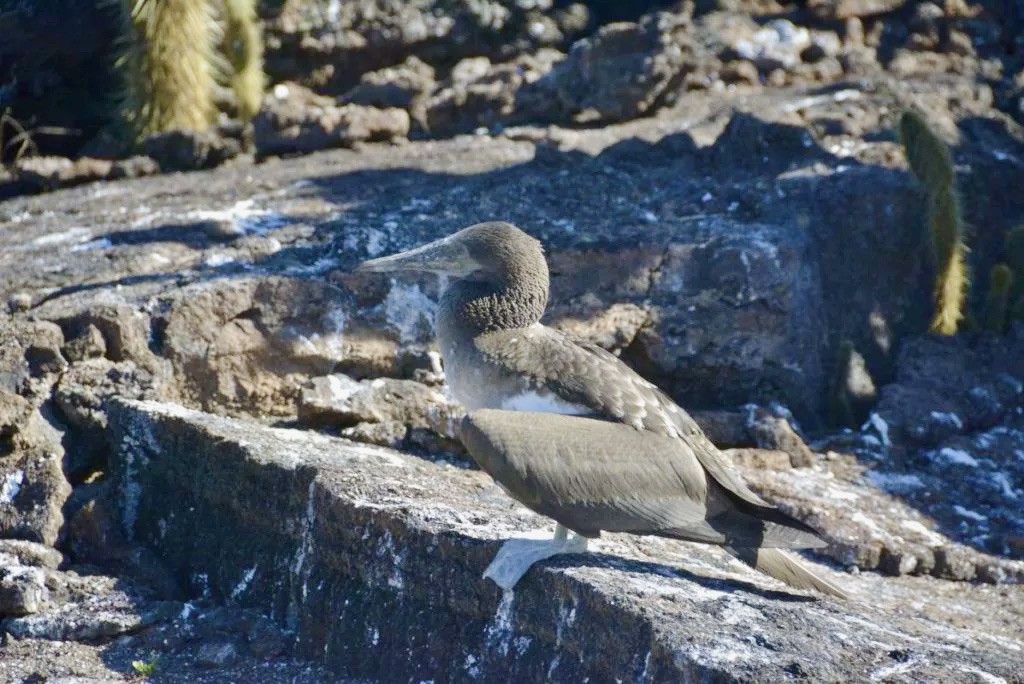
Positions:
(572, 432)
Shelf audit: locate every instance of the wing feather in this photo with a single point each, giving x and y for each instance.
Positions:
(585, 374)
(574, 470)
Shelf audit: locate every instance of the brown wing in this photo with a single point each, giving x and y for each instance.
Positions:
(593, 475)
(587, 375)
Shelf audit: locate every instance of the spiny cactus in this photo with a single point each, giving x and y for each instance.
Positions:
(840, 408)
(1000, 281)
(932, 164)
(243, 46)
(168, 66)
(927, 154)
(951, 258)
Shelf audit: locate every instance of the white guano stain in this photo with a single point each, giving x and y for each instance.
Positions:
(969, 514)
(947, 418)
(244, 583)
(301, 570)
(11, 486)
(879, 425)
(243, 214)
(895, 483)
(409, 310)
(985, 677)
(92, 245)
(78, 234)
(958, 457)
(499, 631)
(330, 342)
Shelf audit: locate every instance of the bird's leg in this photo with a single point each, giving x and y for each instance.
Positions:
(517, 556)
(577, 544)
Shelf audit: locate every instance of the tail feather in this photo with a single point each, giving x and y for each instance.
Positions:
(786, 568)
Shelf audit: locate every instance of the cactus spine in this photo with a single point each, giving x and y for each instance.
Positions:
(996, 304)
(932, 164)
(951, 256)
(243, 46)
(168, 66)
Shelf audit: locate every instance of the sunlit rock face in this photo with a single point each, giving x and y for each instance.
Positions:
(372, 552)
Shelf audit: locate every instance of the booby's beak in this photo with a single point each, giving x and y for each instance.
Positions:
(444, 257)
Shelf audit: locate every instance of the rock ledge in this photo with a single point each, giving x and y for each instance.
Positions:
(372, 559)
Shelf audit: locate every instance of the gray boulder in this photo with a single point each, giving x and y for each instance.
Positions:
(295, 119)
(384, 411)
(623, 71)
(33, 487)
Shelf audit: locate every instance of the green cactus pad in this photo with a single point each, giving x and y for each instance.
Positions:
(997, 301)
(840, 408)
(927, 154)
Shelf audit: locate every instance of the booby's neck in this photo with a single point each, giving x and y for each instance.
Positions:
(510, 301)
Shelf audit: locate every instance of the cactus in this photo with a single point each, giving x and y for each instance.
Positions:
(243, 46)
(168, 66)
(840, 408)
(932, 164)
(927, 154)
(951, 258)
(1000, 281)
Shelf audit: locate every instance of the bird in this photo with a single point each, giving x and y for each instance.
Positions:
(573, 433)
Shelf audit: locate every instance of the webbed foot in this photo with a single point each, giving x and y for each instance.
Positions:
(517, 556)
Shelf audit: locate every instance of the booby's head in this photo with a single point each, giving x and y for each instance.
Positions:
(495, 252)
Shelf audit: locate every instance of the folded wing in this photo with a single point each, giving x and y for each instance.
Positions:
(586, 375)
(592, 475)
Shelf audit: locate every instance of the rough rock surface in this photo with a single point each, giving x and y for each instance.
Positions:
(189, 150)
(717, 274)
(480, 94)
(107, 630)
(32, 554)
(295, 119)
(385, 411)
(948, 437)
(402, 86)
(623, 71)
(47, 173)
(775, 432)
(330, 45)
(622, 63)
(728, 247)
(371, 552)
(33, 487)
(80, 397)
